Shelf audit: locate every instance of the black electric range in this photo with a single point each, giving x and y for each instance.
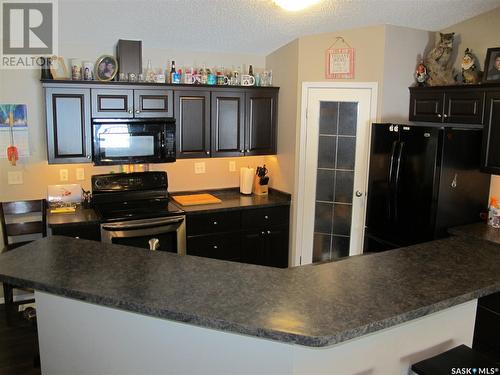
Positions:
(132, 196)
(135, 210)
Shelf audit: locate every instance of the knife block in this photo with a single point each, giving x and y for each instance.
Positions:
(259, 189)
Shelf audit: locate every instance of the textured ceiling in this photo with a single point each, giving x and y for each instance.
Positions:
(245, 26)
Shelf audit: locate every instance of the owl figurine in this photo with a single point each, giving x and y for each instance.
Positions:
(470, 74)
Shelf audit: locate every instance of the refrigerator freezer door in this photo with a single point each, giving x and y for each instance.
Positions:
(463, 190)
(381, 194)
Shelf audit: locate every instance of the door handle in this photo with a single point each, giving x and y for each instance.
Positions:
(358, 193)
(154, 244)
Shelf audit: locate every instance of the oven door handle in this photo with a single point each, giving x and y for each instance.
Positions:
(142, 225)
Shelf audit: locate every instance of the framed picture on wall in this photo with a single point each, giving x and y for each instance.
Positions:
(492, 66)
(340, 63)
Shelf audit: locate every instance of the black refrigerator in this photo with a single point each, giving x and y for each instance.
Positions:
(422, 180)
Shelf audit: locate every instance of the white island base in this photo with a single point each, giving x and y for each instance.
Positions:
(82, 338)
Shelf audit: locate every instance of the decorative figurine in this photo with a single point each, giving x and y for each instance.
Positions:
(437, 62)
(421, 75)
(470, 74)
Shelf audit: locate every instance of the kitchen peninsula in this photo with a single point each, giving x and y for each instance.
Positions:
(106, 308)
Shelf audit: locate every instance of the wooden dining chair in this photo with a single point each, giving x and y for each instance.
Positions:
(17, 232)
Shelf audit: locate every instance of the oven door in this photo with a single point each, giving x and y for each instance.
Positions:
(163, 234)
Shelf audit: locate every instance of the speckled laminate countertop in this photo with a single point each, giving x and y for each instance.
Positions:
(233, 200)
(314, 305)
(480, 231)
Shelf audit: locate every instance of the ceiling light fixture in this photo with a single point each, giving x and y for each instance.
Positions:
(295, 5)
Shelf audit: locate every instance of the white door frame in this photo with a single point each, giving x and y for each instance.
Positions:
(300, 162)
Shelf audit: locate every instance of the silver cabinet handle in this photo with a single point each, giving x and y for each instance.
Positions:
(242, 151)
(439, 115)
(263, 233)
(445, 115)
(268, 232)
(77, 237)
(215, 223)
(130, 111)
(88, 156)
(358, 193)
(266, 217)
(247, 151)
(137, 111)
(207, 152)
(215, 247)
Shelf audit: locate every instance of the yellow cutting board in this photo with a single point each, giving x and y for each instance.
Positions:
(194, 199)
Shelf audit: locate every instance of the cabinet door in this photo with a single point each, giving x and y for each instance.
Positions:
(192, 115)
(426, 106)
(463, 107)
(276, 254)
(490, 159)
(260, 128)
(112, 103)
(228, 123)
(253, 247)
(153, 103)
(68, 125)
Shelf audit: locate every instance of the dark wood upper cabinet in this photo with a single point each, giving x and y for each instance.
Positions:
(112, 103)
(261, 120)
(153, 103)
(211, 121)
(463, 107)
(228, 124)
(426, 106)
(490, 160)
(447, 105)
(192, 115)
(68, 125)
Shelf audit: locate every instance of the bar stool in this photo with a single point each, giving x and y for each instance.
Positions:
(460, 357)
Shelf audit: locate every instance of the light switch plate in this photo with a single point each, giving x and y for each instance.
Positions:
(80, 174)
(63, 174)
(15, 178)
(199, 167)
(232, 166)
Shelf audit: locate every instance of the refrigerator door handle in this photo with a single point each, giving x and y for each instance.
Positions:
(396, 182)
(390, 190)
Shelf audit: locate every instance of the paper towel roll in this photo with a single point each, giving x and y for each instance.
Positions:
(246, 180)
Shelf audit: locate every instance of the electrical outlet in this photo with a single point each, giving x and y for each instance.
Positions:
(63, 174)
(232, 166)
(199, 167)
(15, 178)
(80, 174)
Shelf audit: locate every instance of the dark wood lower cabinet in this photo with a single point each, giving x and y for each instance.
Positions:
(83, 231)
(254, 236)
(487, 327)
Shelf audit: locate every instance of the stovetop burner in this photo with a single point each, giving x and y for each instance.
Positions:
(130, 196)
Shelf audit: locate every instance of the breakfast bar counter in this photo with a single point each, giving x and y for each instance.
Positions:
(312, 306)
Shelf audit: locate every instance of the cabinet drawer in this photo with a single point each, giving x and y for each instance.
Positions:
(264, 217)
(218, 246)
(87, 232)
(213, 222)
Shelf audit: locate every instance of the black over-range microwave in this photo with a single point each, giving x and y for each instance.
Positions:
(133, 141)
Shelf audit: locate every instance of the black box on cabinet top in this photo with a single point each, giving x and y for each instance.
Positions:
(129, 55)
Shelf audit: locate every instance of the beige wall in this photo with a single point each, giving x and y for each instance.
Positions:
(402, 52)
(479, 34)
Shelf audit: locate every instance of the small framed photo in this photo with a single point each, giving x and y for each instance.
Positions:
(492, 66)
(106, 68)
(58, 68)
